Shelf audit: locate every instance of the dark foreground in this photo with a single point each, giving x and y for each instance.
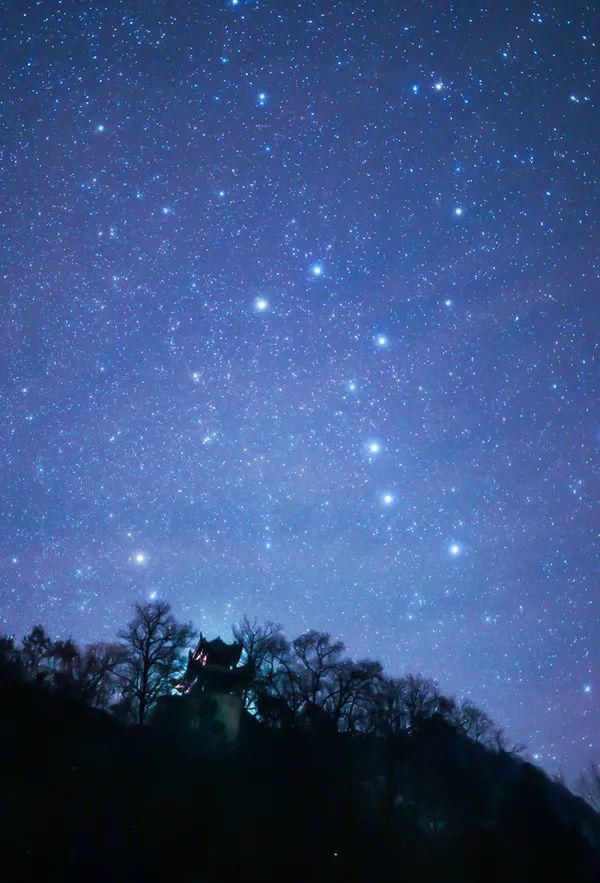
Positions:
(86, 798)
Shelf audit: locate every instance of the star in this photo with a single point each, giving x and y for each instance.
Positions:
(458, 211)
(382, 341)
(374, 447)
(388, 499)
(316, 270)
(140, 558)
(454, 549)
(261, 304)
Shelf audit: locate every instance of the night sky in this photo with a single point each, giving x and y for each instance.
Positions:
(298, 308)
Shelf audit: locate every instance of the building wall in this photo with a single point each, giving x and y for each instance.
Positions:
(230, 711)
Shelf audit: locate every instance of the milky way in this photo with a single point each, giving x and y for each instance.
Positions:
(298, 320)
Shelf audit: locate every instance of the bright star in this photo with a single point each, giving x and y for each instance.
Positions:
(458, 211)
(262, 99)
(261, 304)
(587, 688)
(316, 270)
(100, 127)
(455, 550)
(352, 386)
(438, 86)
(166, 210)
(448, 303)
(374, 447)
(153, 595)
(388, 499)
(140, 558)
(196, 377)
(382, 340)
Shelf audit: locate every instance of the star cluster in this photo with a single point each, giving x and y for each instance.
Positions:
(298, 305)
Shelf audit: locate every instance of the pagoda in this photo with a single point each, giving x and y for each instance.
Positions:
(213, 672)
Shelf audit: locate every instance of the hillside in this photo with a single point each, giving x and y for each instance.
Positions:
(85, 797)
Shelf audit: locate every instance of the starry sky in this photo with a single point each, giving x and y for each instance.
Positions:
(298, 320)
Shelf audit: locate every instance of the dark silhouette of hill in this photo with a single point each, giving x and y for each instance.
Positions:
(89, 795)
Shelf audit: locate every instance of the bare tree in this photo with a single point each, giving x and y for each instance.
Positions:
(421, 699)
(99, 672)
(401, 704)
(353, 688)
(317, 657)
(389, 712)
(65, 657)
(260, 642)
(155, 642)
(262, 646)
(35, 650)
(476, 724)
(307, 680)
(11, 662)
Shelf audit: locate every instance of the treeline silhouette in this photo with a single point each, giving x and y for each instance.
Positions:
(339, 772)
